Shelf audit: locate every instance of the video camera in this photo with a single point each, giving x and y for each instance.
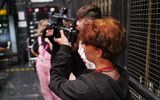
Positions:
(60, 21)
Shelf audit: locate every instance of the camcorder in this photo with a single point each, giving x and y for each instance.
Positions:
(60, 21)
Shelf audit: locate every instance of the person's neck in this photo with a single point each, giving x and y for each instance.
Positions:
(103, 63)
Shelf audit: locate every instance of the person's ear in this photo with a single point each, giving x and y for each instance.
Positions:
(99, 53)
(87, 22)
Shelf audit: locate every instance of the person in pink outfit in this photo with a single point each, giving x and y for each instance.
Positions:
(43, 63)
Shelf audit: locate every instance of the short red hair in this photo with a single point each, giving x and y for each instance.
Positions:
(106, 34)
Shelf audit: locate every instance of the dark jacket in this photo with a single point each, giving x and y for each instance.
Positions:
(89, 86)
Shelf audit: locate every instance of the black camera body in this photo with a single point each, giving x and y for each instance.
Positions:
(60, 21)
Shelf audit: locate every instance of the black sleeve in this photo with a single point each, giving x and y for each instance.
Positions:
(35, 47)
(60, 71)
(79, 66)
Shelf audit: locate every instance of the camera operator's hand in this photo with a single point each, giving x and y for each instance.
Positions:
(62, 40)
(48, 41)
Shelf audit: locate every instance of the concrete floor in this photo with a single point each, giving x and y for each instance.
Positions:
(19, 83)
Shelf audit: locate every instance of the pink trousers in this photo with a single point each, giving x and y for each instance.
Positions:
(43, 72)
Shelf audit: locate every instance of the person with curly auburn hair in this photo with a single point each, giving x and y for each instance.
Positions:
(112, 43)
(102, 41)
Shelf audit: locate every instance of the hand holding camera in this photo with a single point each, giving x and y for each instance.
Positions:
(62, 40)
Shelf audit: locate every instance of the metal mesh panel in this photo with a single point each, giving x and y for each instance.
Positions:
(105, 6)
(135, 95)
(144, 43)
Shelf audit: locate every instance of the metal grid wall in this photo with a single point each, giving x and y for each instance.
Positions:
(144, 43)
(105, 6)
(135, 95)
